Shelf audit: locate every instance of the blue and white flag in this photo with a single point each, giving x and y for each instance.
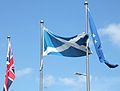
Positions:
(97, 42)
(69, 47)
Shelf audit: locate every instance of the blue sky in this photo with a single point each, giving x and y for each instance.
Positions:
(20, 19)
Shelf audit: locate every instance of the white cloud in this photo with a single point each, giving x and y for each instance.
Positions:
(71, 82)
(113, 31)
(68, 81)
(105, 83)
(76, 83)
(24, 72)
(50, 80)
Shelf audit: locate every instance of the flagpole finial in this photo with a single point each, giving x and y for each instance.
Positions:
(8, 37)
(41, 21)
(86, 2)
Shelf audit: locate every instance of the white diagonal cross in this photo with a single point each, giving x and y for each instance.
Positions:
(66, 45)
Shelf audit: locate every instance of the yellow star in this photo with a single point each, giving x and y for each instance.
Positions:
(93, 35)
(95, 41)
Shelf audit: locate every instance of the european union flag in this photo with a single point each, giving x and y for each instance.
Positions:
(97, 43)
(69, 47)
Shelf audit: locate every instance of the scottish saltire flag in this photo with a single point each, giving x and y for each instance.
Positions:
(10, 74)
(69, 47)
(97, 42)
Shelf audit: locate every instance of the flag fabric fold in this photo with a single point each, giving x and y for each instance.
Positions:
(10, 73)
(97, 42)
(69, 47)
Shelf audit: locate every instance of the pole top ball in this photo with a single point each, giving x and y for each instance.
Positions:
(8, 37)
(41, 21)
(86, 3)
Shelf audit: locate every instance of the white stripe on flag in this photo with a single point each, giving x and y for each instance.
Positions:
(68, 44)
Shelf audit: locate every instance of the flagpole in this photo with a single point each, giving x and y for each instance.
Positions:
(8, 37)
(87, 55)
(41, 54)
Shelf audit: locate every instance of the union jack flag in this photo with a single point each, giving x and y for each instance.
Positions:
(10, 73)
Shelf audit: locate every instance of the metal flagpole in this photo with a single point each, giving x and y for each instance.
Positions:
(41, 55)
(8, 54)
(87, 56)
(8, 37)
